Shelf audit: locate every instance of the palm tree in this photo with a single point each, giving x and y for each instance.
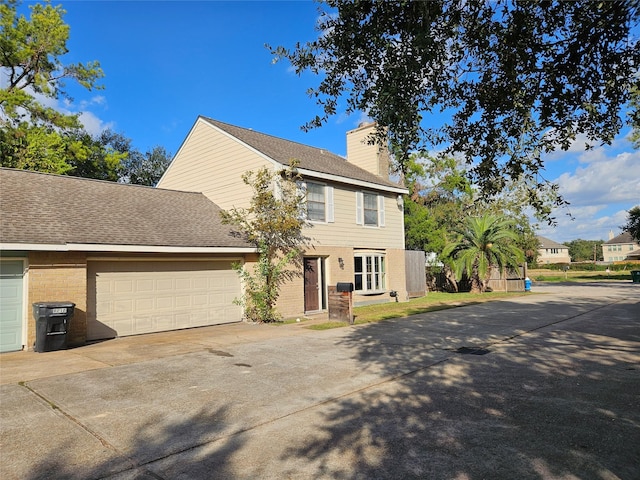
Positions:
(483, 243)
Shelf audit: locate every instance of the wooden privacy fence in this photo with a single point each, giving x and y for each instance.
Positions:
(509, 281)
(414, 261)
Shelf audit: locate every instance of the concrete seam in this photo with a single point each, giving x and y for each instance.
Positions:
(105, 443)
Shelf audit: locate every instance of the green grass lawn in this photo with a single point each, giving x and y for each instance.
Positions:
(435, 301)
(432, 302)
(541, 275)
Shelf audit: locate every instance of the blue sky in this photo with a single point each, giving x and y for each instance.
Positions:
(166, 62)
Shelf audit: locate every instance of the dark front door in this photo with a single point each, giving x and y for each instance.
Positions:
(311, 290)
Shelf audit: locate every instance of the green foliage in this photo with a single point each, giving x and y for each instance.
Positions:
(98, 157)
(584, 250)
(34, 136)
(262, 285)
(147, 168)
(439, 197)
(442, 198)
(273, 223)
(520, 79)
(634, 116)
(633, 223)
(484, 242)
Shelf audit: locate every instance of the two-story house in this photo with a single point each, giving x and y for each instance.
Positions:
(550, 251)
(620, 248)
(355, 210)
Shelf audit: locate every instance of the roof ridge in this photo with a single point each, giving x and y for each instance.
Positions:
(99, 180)
(322, 150)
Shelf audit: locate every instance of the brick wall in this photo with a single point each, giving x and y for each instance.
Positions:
(59, 277)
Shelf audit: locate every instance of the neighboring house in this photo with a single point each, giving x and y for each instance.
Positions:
(620, 248)
(552, 252)
(133, 259)
(356, 211)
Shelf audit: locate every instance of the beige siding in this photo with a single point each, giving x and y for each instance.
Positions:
(213, 163)
(618, 252)
(546, 255)
(370, 157)
(344, 232)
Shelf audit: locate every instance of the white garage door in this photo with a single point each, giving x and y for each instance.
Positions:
(129, 298)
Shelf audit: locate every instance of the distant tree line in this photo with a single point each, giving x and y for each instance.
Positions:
(585, 250)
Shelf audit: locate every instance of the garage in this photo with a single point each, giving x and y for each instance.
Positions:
(136, 297)
(11, 304)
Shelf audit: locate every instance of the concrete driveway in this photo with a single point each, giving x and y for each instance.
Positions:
(535, 387)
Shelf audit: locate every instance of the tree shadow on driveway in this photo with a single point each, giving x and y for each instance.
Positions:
(558, 402)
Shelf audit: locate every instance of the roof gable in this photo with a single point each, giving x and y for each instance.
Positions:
(38, 208)
(312, 159)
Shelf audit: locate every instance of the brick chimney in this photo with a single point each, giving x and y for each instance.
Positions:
(371, 157)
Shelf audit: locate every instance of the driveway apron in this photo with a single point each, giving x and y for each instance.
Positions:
(539, 386)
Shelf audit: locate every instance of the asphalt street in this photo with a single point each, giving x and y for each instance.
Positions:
(543, 386)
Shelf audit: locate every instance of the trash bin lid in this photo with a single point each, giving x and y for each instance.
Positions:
(54, 304)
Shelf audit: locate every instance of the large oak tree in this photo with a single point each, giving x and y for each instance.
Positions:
(511, 79)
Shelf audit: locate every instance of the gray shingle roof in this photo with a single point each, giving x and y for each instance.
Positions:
(624, 237)
(40, 208)
(547, 243)
(310, 158)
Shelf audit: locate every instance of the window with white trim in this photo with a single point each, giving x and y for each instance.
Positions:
(369, 209)
(319, 202)
(369, 273)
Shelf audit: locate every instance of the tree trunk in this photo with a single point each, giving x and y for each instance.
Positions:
(477, 285)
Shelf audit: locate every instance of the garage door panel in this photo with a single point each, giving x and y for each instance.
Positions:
(123, 286)
(144, 297)
(144, 286)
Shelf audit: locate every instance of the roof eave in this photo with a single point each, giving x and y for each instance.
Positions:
(85, 247)
(350, 181)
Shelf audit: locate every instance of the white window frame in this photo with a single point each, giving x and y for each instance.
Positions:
(360, 216)
(329, 209)
(373, 277)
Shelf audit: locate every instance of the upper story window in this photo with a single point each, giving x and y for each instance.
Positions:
(369, 209)
(315, 202)
(319, 202)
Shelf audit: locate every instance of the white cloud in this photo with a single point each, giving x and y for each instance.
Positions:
(603, 180)
(94, 125)
(602, 187)
(584, 223)
(90, 121)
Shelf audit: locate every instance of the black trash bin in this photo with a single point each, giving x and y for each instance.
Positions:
(635, 276)
(52, 325)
